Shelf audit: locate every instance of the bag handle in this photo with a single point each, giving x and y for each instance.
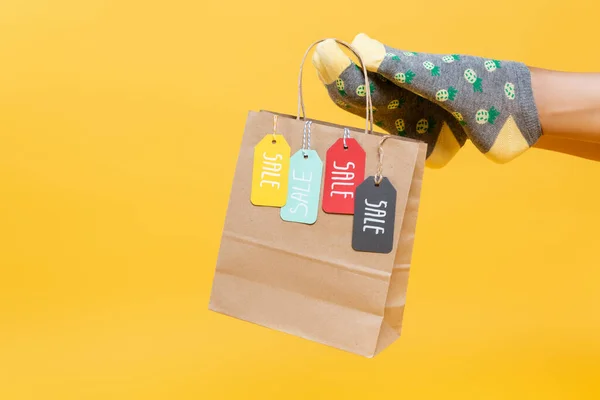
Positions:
(369, 105)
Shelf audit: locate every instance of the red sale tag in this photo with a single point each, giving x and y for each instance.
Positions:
(344, 171)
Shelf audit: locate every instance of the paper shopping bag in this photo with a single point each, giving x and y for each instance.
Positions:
(306, 279)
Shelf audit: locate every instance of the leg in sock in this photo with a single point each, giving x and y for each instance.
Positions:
(493, 100)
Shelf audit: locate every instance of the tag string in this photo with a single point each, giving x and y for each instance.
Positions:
(346, 136)
(368, 103)
(306, 137)
(274, 127)
(379, 173)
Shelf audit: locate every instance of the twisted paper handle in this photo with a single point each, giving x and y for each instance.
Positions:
(369, 105)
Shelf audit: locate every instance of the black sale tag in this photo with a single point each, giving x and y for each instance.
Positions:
(374, 215)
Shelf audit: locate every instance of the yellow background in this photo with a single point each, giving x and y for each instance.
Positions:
(120, 123)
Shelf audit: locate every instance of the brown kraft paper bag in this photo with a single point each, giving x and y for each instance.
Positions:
(307, 280)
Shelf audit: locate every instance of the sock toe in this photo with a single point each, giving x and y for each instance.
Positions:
(371, 51)
(330, 61)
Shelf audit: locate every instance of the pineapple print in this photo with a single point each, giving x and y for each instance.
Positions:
(392, 56)
(446, 94)
(410, 53)
(492, 65)
(459, 118)
(435, 71)
(340, 87)
(400, 127)
(487, 116)
(361, 90)
(509, 90)
(342, 104)
(472, 78)
(425, 125)
(405, 77)
(451, 59)
(395, 104)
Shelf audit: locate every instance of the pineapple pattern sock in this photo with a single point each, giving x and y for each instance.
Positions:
(491, 99)
(395, 110)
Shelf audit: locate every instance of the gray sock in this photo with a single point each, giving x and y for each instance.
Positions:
(492, 99)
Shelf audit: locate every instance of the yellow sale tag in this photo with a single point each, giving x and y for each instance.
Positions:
(270, 172)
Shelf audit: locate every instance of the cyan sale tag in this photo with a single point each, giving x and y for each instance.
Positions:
(304, 187)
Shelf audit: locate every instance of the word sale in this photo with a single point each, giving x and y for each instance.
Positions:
(342, 180)
(374, 217)
(271, 171)
(300, 192)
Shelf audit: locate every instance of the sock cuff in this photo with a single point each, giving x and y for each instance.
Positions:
(532, 129)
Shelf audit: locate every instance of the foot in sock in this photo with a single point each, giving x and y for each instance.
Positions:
(491, 99)
(396, 110)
